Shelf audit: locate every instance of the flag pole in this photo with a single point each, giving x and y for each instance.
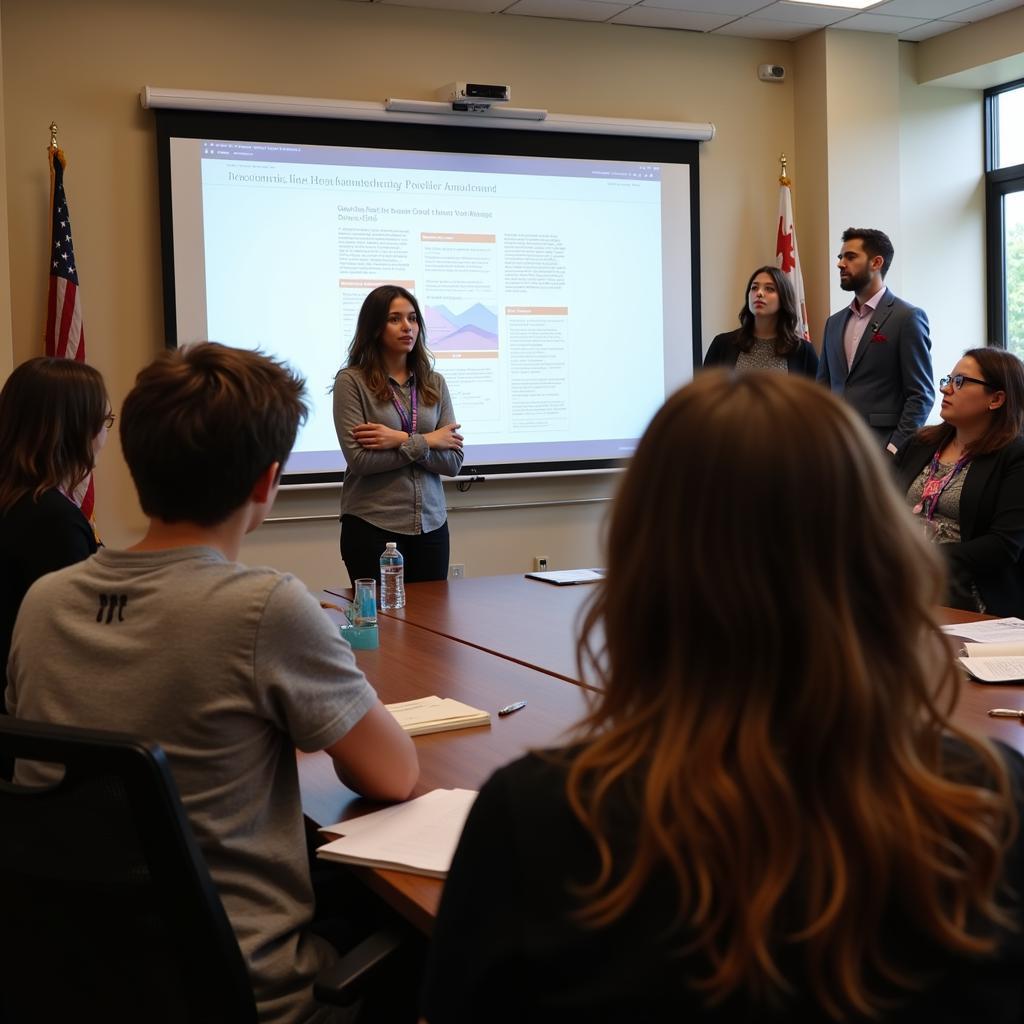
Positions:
(53, 135)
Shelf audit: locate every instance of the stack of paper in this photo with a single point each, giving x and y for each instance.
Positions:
(419, 836)
(436, 714)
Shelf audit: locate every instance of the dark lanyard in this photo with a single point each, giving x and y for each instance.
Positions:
(408, 422)
(934, 485)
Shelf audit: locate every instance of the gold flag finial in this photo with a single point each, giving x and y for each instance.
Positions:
(783, 176)
(53, 135)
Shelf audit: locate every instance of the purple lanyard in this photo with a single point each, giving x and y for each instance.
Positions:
(408, 424)
(934, 485)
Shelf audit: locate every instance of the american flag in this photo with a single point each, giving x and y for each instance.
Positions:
(787, 255)
(65, 335)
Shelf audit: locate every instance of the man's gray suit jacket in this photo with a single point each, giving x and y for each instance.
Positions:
(890, 382)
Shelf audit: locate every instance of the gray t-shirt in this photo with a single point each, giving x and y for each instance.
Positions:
(398, 489)
(229, 669)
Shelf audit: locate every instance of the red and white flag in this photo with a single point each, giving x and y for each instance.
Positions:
(65, 335)
(787, 257)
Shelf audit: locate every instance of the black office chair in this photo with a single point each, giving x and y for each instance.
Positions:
(107, 909)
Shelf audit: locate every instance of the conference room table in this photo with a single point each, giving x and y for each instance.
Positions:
(489, 641)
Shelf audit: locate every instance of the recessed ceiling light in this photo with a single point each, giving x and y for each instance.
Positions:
(850, 5)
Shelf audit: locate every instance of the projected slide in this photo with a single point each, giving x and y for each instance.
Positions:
(542, 281)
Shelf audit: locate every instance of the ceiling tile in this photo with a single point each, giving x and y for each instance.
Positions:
(733, 8)
(804, 14)
(920, 8)
(762, 28)
(929, 29)
(879, 23)
(658, 17)
(576, 10)
(979, 12)
(481, 6)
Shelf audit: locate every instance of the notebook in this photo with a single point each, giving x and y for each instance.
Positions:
(436, 714)
(567, 577)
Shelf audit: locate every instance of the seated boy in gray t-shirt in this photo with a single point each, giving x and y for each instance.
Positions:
(228, 668)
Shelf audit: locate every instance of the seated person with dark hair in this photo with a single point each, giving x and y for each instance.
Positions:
(229, 668)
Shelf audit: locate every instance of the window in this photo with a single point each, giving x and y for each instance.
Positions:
(1004, 202)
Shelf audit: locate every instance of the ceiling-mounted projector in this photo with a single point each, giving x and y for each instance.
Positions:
(473, 94)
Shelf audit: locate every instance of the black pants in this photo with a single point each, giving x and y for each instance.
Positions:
(362, 544)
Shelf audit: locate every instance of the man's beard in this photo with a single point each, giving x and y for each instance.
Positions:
(855, 282)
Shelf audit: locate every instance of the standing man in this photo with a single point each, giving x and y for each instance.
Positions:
(877, 353)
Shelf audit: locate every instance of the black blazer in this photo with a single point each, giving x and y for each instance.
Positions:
(724, 352)
(991, 526)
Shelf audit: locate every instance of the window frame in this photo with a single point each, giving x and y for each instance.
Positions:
(999, 182)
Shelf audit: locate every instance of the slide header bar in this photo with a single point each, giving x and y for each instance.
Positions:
(154, 97)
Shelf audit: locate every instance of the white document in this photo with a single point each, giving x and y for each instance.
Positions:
(419, 836)
(565, 577)
(1006, 669)
(436, 714)
(993, 650)
(1002, 631)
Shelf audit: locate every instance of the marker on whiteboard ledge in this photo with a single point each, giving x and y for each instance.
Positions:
(509, 708)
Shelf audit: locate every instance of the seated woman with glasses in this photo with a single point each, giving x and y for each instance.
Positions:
(964, 479)
(765, 823)
(54, 418)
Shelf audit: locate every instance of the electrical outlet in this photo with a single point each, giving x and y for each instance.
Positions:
(458, 570)
(540, 563)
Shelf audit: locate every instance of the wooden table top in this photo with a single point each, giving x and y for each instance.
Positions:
(526, 621)
(413, 662)
(438, 644)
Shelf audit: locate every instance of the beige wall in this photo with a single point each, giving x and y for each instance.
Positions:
(356, 51)
(942, 210)
(6, 332)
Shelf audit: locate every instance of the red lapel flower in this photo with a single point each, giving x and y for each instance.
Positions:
(876, 337)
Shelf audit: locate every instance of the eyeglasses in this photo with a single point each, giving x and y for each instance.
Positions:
(958, 380)
(108, 420)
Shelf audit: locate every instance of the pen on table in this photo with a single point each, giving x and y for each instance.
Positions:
(509, 708)
(1007, 713)
(336, 607)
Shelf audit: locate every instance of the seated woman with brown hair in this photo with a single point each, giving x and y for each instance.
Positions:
(964, 478)
(768, 813)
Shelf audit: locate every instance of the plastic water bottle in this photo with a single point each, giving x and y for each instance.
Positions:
(392, 578)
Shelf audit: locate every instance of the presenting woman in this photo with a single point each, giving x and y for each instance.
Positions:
(767, 814)
(767, 337)
(964, 479)
(54, 418)
(398, 434)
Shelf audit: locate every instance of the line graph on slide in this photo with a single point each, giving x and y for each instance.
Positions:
(472, 330)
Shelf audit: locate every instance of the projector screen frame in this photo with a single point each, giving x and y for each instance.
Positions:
(444, 137)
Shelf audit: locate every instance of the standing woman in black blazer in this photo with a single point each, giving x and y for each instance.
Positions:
(965, 479)
(768, 337)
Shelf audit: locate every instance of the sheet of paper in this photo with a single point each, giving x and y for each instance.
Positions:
(419, 836)
(1001, 631)
(994, 650)
(995, 670)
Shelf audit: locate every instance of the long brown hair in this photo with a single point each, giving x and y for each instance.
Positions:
(50, 413)
(1004, 372)
(787, 338)
(365, 351)
(772, 713)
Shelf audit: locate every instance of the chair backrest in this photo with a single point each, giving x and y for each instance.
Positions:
(107, 909)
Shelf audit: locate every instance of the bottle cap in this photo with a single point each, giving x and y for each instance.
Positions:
(393, 544)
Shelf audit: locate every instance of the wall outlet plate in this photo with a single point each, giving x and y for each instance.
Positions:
(540, 563)
(457, 570)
